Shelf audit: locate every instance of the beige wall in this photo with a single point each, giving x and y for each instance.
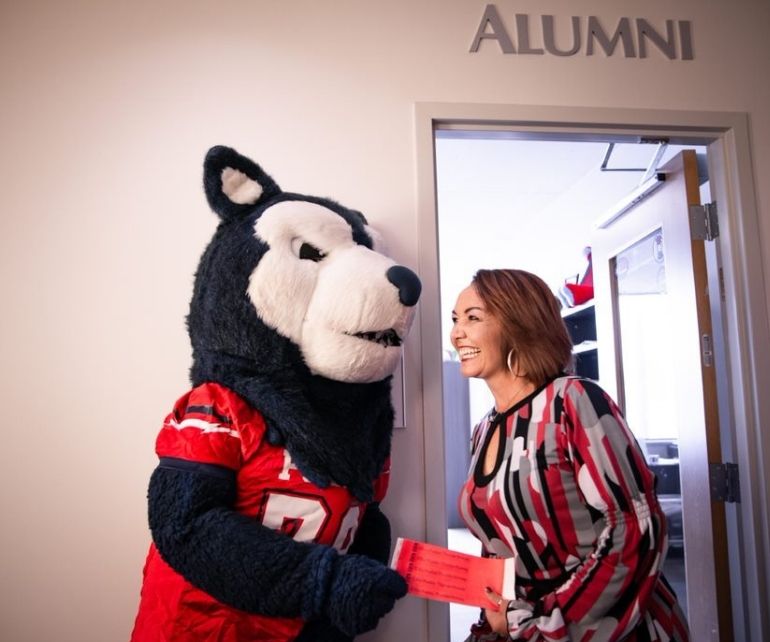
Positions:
(107, 110)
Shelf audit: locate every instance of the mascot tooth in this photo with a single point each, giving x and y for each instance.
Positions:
(264, 507)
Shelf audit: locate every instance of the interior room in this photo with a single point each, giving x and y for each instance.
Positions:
(542, 201)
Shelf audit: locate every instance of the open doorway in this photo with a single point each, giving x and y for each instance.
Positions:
(505, 199)
(746, 334)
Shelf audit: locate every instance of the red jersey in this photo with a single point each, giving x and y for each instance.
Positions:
(213, 425)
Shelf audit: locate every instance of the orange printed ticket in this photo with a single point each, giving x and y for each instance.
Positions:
(437, 573)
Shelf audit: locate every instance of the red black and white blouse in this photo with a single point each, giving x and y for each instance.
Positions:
(571, 498)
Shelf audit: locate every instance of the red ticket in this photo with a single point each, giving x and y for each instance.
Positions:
(437, 573)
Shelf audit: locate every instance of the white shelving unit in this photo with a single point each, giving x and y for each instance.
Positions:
(581, 325)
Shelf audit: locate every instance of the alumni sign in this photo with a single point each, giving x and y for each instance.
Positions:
(634, 37)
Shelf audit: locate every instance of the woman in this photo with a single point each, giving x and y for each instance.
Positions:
(557, 480)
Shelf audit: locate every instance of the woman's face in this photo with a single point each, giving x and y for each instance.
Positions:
(477, 337)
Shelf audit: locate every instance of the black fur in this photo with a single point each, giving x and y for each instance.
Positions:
(335, 432)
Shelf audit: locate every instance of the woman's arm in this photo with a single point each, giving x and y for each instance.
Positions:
(613, 583)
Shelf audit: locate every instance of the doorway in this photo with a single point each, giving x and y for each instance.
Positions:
(541, 201)
(516, 237)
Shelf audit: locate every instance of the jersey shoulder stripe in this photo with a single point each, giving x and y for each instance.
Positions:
(202, 425)
(210, 425)
(209, 410)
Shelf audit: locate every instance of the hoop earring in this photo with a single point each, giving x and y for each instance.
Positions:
(508, 360)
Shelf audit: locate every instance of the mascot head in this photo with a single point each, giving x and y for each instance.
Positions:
(297, 309)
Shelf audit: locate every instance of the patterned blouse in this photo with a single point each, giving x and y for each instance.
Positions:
(571, 498)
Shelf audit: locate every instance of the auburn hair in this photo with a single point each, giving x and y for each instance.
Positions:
(534, 334)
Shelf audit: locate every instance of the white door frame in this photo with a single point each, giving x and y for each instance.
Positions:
(746, 328)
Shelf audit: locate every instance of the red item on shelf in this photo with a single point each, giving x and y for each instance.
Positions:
(580, 293)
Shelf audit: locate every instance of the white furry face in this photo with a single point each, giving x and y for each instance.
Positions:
(327, 294)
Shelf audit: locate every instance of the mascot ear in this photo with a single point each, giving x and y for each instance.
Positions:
(378, 242)
(235, 184)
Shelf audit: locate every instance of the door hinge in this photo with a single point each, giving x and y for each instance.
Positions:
(724, 482)
(704, 224)
(707, 350)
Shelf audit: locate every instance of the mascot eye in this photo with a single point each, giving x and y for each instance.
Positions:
(310, 252)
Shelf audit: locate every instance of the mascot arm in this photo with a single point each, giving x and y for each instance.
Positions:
(373, 535)
(373, 540)
(253, 568)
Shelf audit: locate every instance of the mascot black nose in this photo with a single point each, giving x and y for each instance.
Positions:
(409, 286)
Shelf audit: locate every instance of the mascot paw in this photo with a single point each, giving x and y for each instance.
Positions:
(362, 591)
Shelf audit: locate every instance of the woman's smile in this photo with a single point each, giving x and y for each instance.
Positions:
(467, 353)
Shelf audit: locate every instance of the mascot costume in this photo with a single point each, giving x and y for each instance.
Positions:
(264, 507)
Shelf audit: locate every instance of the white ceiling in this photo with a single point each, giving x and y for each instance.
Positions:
(526, 204)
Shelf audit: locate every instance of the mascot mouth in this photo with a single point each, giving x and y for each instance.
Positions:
(386, 338)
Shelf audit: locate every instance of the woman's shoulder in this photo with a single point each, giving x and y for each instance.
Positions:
(572, 384)
(579, 392)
